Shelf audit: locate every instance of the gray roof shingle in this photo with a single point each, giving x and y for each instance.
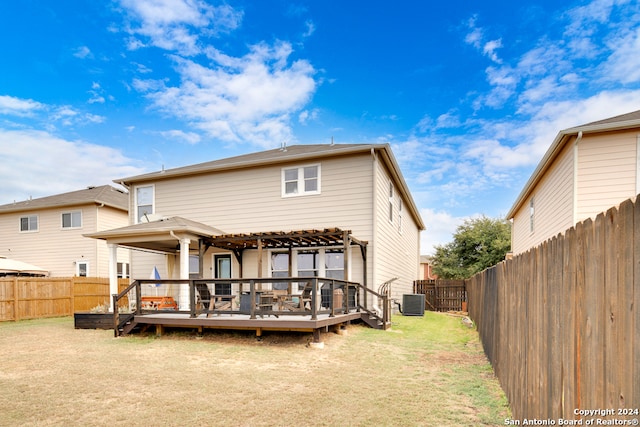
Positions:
(106, 194)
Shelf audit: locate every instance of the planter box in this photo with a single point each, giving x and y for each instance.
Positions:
(86, 320)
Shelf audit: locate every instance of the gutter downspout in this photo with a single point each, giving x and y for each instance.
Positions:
(575, 178)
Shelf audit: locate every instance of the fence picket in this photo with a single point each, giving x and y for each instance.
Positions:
(560, 322)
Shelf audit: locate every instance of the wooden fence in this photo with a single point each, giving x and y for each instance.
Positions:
(561, 322)
(36, 297)
(442, 295)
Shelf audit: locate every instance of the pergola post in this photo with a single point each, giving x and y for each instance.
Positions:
(184, 273)
(113, 273)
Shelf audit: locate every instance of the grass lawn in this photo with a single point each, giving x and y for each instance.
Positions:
(425, 371)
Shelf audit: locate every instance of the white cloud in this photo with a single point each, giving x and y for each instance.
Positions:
(38, 164)
(441, 226)
(476, 38)
(20, 107)
(82, 52)
(311, 28)
(249, 98)
(177, 25)
(188, 137)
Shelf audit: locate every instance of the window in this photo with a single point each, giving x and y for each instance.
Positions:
(194, 267)
(29, 223)
(400, 215)
(280, 268)
(390, 201)
(300, 181)
(308, 263)
(334, 264)
(531, 215)
(72, 219)
(82, 268)
(123, 270)
(144, 201)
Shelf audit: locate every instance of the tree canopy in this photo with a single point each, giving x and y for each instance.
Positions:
(477, 244)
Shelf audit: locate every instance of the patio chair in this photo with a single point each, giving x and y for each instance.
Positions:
(299, 302)
(203, 296)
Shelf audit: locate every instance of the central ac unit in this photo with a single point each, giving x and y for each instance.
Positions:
(413, 304)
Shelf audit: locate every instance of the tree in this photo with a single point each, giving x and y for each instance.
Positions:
(477, 244)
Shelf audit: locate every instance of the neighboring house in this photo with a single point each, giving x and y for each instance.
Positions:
(269, 197)
(587, 170)
(426, 268)
(48, 232)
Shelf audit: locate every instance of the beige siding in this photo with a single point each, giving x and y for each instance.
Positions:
(57, 249)
(396, 247)
(51, 247)
(107, 219)
(242, 201)
(607, 169)
(553, 205)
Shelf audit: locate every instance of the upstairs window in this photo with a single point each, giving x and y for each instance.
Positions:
(72, 219)
(531, 215)
(390, 201)
(144, 202)
(29, 223)
(301, 181)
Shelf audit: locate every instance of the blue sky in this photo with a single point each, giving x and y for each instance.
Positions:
(469, 94)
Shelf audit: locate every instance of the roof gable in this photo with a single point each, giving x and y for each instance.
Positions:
(621, 122)
(283, 155)
(280, 155)
(104, 194)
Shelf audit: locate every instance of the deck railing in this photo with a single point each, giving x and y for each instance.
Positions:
(256, 297)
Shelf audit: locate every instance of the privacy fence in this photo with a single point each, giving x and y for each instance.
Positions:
(561, 322)
(442, 295)
(36, 297)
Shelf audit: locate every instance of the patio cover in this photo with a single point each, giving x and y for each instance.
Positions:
(15, 267)
(161, 235)
(174, 234)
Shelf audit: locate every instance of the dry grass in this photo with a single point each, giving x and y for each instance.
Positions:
(426, 371)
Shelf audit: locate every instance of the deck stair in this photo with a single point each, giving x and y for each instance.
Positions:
(374, 320)
(126, 323)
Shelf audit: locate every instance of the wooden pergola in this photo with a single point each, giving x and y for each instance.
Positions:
(238, 243)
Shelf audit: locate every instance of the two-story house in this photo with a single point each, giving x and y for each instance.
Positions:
(586, 170)
(48, 231)
(244, 208)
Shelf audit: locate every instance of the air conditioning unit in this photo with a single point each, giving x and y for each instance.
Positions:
(413, 304)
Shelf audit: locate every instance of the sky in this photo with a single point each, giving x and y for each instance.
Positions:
(469, 94)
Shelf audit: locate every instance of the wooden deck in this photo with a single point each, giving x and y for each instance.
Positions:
(253, 304)
(244, 321)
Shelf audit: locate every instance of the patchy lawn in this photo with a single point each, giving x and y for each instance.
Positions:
(425, 371)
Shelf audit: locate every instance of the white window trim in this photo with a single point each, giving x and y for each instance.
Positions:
(294, 261)
(301, 191)
(78, 263)
(29, 216)
(71, 227)
(135, 200)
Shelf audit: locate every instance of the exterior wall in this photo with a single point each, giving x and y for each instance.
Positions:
(108, 218)
(245, 201)
(241, 201)
(56, 249)
(553, 205)
(396, 246)
(607, 172)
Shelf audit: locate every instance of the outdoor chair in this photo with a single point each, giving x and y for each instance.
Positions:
(203, 296)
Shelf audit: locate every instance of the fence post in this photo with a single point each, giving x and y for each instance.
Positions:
(15, 299)
(72, 296)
